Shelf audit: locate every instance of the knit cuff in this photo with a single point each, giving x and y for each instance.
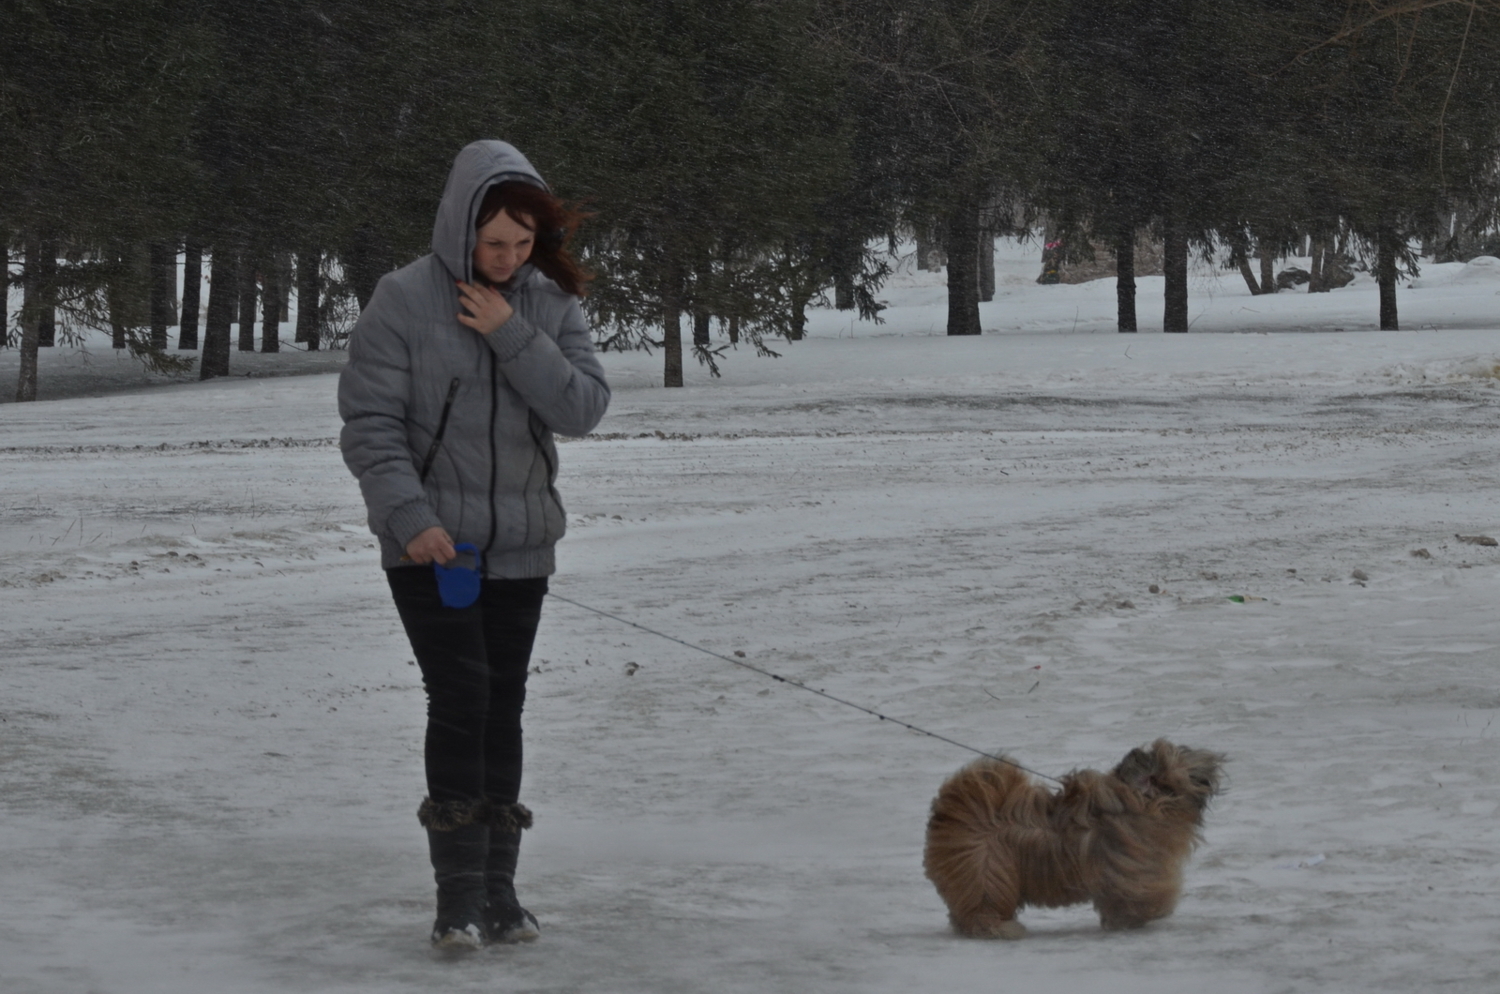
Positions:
(511, 338)
(410, 520)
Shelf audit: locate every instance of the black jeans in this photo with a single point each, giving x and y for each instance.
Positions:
(474, 662)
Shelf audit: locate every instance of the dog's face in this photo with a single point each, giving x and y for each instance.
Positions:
(1166, 770)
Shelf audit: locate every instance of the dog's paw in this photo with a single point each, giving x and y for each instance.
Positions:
(1010, 930)
(990, 927)
(1120, 923)
(997, 929)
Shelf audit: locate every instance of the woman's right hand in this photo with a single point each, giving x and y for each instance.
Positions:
(433, 544)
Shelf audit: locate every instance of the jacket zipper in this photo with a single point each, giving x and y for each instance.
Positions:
(437, 439)
(494, 455)
(536, 439)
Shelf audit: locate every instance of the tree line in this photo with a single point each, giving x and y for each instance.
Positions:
(739, 157)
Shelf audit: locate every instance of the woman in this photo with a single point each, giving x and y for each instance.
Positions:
(461, 368)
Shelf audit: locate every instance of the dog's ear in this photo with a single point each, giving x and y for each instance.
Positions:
(1192, 775)
(1138, 771)
(1204, 770)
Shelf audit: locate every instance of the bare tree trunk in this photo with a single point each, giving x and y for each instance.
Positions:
(1174, 266)
(26, 381)
(284, 284)
(927, 252)
(30, 315)
(671, 323)
(962, 238)
(163, 291)
(734, 329)
(672, 345)
(1318, 250)
(846, 257)
(798, 330)
(1267, 269)
(270, 302)
(31, 249)
(46, 291)
(223, 288)
(127, 283)
(1458, 243)
(986, 265)
(192, 288)
(843, 291)
(701, 317)
(247, 302)
(1125, 277)
(309, 286)
(365, 263)
(114, 299)
(1385, 274)
(169, 280)
(1241, 256)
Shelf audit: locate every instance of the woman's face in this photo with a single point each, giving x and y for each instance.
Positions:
(501, 246)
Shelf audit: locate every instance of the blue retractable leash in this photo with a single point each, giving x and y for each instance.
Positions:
(459, 585)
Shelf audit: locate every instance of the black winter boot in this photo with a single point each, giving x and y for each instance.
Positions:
(504, 918)
(457, 839)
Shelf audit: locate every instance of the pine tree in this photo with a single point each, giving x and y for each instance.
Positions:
(701, 134)
(92, 150)
(1354, 133)
(1150, 114)
(1410, 150)
(958, 104)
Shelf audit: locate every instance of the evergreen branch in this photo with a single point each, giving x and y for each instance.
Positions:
(1385, 13)
(708, 357)
(1443, 114)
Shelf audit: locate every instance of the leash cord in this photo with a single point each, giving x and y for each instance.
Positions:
(802, 686)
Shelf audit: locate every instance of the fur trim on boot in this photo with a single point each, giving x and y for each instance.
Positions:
(445, 816)
(508, 817)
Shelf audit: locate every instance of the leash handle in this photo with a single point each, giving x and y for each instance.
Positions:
(458, 586)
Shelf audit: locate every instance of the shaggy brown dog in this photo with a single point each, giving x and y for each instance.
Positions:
(997, 842)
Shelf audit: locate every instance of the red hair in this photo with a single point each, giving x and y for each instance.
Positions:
(537, 210)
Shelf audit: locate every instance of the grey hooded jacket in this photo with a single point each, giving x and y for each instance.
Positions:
(492, 480)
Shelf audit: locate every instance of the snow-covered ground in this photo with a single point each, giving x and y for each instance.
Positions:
(210, 729)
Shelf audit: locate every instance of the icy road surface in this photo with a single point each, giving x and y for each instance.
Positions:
(210, 729)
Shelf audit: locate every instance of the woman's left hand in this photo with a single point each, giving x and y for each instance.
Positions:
(487, 309)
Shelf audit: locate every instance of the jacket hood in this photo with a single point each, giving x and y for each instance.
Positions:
(478, 167)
